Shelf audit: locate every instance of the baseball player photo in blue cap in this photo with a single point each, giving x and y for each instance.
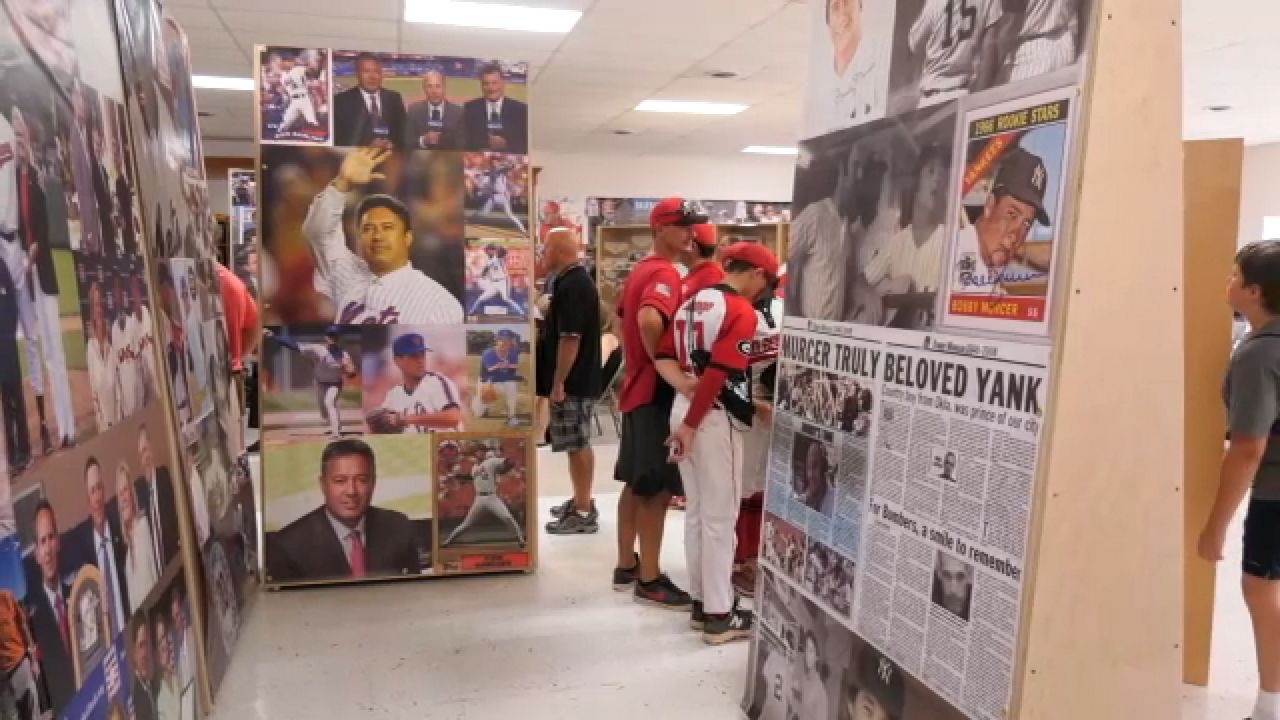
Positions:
(412, 376)
(501, 369)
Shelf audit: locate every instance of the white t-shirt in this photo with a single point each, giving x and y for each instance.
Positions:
(103, 382)
(404, 296)
(434, 393)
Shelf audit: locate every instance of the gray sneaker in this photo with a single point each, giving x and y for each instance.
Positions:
(560, 510)
(572, 523)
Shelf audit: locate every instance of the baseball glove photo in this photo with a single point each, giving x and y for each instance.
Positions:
(384, 421)
(488, 394)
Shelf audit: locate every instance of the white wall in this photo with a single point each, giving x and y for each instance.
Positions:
(745, 177)
(1259, 189)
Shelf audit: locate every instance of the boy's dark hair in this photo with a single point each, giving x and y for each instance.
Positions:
(346, 448)
(1259, 265)
(705, 252)
(738, 266)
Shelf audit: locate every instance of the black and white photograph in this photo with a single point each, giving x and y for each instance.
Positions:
(814, 469)
(294, 102)
(834, 401)
(942, 464)
(848, 63)
(953, 585)
(829, 576)
(783, 546)
(497, 194)
(868, 241)
(947, 49)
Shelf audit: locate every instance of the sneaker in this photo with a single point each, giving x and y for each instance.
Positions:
(573, 523)
(624, 578)
(723, 629)
(662, 593)
(698, 618)
(564, 507)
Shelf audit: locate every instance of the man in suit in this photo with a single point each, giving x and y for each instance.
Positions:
(346, 537)
(155, 498)
(50, 603)
(496, 122)
(13, 406)
(83, 176)
(368, 114)
(103, 544)
(434, 123)
(143, 694)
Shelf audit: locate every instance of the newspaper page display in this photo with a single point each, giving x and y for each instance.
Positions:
(932, 217)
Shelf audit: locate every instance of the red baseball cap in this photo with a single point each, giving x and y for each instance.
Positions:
(705, 235)
(753, 254)
(676, 211)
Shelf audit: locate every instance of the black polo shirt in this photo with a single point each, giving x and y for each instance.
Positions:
(575, 310)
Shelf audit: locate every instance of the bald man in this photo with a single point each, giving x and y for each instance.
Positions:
(571, 353)
(433, 123)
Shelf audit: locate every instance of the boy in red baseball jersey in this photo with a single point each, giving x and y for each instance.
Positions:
(711, 341)
(648, 302)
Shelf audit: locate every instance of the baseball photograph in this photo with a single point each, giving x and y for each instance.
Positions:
(829, 576)
(414, 378)
(500, 372)
(426, 102)
(294, 102)
(834, 401)
(814, 460)
(942, 464)
(497, 194)
(362, 235)
(243, 187)
(869, 236)
(482, 499)
(849, 63)
(946, 49)
(311, 383)
(499, 276)
(783, 546)
(1008, 198)
(355, 508)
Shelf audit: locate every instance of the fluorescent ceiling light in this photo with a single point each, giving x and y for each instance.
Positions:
(690, 107)
(770, 150)
(217, 82)
(490, 15)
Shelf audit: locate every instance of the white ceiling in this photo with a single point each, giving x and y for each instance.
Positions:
(623, 51)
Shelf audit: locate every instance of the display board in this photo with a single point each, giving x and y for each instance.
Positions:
(97, 587)
(398, 372)
(932, 213)
(195, 364)
(242, 186)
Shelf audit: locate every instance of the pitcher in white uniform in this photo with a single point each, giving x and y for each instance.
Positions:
(295, 83)
(331, 366)
(484, 477)
(379, 286)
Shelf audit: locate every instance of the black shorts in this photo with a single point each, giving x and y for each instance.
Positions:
(642, 452)
(1262, 540)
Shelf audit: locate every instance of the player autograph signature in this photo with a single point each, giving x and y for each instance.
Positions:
(1001, 278)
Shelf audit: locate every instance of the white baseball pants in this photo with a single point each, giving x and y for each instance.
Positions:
(16, 260)
(505, 202)
(490, 290)
(327, 398)
(298, 108)
(712, 475)
(50, 323)
(510, 393)
(493, 505)
(1042, 55)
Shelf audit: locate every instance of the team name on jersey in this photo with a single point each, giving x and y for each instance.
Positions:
(353, 310)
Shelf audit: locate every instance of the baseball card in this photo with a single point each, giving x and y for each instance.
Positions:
(295, 95)
(415, 379)
(1008, 193)
(483, 504)
(311, 383)
(362, 235)
(425, 102)
(358, 508)
(499, 278)
(868, 240)
(497, 194)
(500, 376)
(848, 63)
(243, 187)
(948, 49)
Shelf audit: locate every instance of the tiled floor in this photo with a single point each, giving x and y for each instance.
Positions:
(557, 644)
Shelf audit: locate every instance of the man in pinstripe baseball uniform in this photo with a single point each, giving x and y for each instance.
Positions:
(332, 365)
(957, 50)
(378, 286)
(1040, 36)
(426, 400)
(484, 477)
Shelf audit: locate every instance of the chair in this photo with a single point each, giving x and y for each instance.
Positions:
(610, 375)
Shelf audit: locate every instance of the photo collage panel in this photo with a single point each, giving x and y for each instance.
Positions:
(397, 230)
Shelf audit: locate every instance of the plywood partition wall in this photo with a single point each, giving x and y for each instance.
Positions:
(1103, 624)
(1211, 192)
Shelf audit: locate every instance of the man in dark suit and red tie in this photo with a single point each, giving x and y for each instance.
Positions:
(50, 602)
(368, 114)
(496, 122)
(346, 537)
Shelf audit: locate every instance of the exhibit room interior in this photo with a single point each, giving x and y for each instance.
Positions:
(277, 284)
